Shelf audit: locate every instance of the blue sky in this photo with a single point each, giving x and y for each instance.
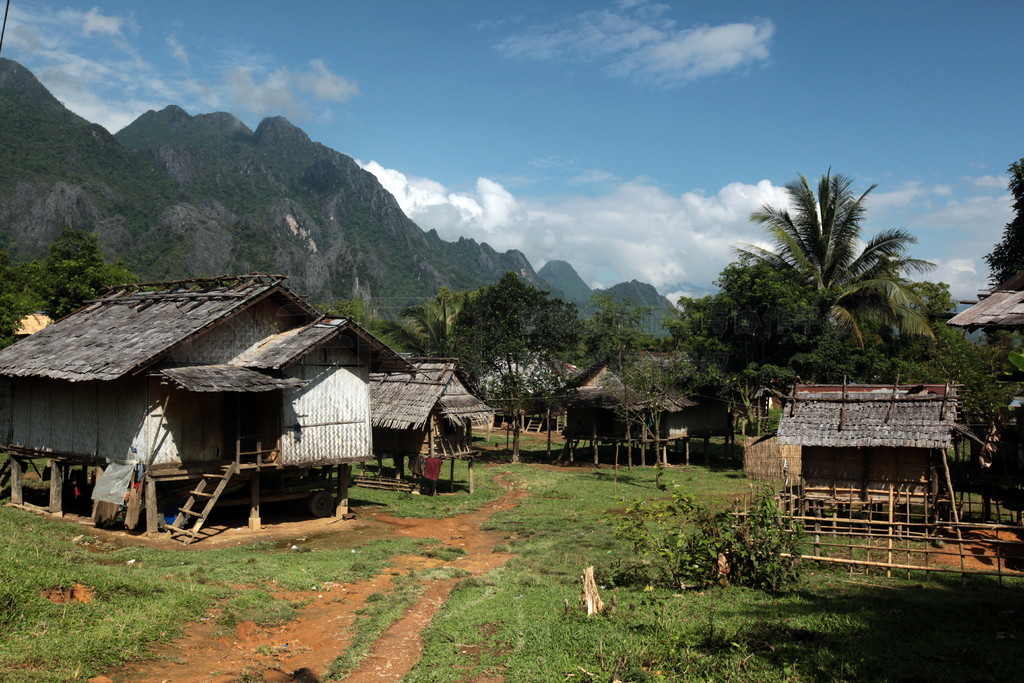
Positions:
(632, 138)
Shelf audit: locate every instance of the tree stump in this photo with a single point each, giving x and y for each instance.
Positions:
(590, 597)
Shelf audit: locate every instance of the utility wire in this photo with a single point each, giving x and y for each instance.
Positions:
(4, 29)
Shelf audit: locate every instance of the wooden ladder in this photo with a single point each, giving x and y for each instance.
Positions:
(5, 472)
(534, 425)
(209, 489)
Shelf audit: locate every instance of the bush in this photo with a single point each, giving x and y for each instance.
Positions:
(683, 544)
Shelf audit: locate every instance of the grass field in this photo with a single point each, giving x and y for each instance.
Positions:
(521, 622)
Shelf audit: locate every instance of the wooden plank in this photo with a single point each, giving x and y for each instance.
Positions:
(56, 488)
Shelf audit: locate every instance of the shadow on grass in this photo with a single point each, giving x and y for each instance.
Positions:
(840, 628)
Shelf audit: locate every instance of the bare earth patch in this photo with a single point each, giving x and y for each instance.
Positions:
(304, 648)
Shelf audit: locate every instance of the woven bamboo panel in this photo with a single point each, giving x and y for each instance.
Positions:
(764, 459)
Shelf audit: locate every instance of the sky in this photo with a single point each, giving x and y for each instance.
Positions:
(631, 138)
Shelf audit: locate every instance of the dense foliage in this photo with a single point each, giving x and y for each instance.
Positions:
(512, 338)
(819, 244)
(688, 546)
(1007, 257)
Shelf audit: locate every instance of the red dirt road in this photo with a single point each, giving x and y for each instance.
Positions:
(304, 648)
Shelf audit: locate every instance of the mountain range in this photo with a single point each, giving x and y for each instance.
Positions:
(174, 195)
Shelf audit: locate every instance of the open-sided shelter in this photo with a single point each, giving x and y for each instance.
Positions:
(207, 383)
(873, 444)
(605, 409)
(429, 413)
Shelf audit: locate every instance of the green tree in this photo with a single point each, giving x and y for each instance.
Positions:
(427, 329)
(75, 272)
(615, 328)
(819, 244)
(1007, 257)
(510, 336)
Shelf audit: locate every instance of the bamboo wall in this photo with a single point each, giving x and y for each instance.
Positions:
(190, 431)
(332, 411)
(90, 420)
(231, 337)
(5, 409)
(865, 472)
(764, 459)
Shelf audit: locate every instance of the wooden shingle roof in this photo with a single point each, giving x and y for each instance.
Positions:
(404, 401)
(133, 327)
(218, 378)
(1001, 308)
(859, 415)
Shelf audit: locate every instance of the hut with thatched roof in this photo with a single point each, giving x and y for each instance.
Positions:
(607, 409)
(428, 414)
(207, 383)
(873, 444)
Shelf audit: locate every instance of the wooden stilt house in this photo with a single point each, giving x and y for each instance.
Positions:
(182, 391)
(864, 446)
(605, 409)
(429, 414)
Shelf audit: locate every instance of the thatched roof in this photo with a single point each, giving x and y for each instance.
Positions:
(919, 416)
(1001, 308)
(405, 401)
(601, 387)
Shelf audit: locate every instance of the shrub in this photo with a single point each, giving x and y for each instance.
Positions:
(684, 544)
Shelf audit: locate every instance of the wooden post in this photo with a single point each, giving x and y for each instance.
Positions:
(152, 513)
(254, 500)
(686, 450)
(399, 467)
(343, 475)
(451, 475)
(707, 450)
(888, 556)
(56, 488)
(593, 436)
(470, 475)
(17, 481)
(547, 425)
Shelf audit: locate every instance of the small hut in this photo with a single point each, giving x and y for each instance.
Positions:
(607, 410)
(185, 392)
(428, 414)
(864, 445)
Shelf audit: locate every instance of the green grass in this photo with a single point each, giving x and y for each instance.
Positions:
(834, 626)
(136, 603)
(445, 504)
(514, 622)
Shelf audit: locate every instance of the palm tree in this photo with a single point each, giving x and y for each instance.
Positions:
(819, 243)
(427, 329)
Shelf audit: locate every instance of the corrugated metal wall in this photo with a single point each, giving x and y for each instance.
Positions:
(332, 412)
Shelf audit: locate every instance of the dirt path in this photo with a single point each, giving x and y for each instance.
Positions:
(303, 649)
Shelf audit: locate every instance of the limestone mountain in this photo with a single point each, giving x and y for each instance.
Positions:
(563, 279)
(176, 195)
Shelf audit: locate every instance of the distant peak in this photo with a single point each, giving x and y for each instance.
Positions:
(277, 129)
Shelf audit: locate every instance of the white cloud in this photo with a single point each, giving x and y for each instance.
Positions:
(94, 22)
(965, 277)
(989, 182)
(979, 215)
(638, 42)
(177, 50)
(636, 230)
(89, 63)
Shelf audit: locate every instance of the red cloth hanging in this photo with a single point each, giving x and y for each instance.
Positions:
(432, 468)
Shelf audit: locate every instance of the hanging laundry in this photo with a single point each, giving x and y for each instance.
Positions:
(432, 468)
(417, 465)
